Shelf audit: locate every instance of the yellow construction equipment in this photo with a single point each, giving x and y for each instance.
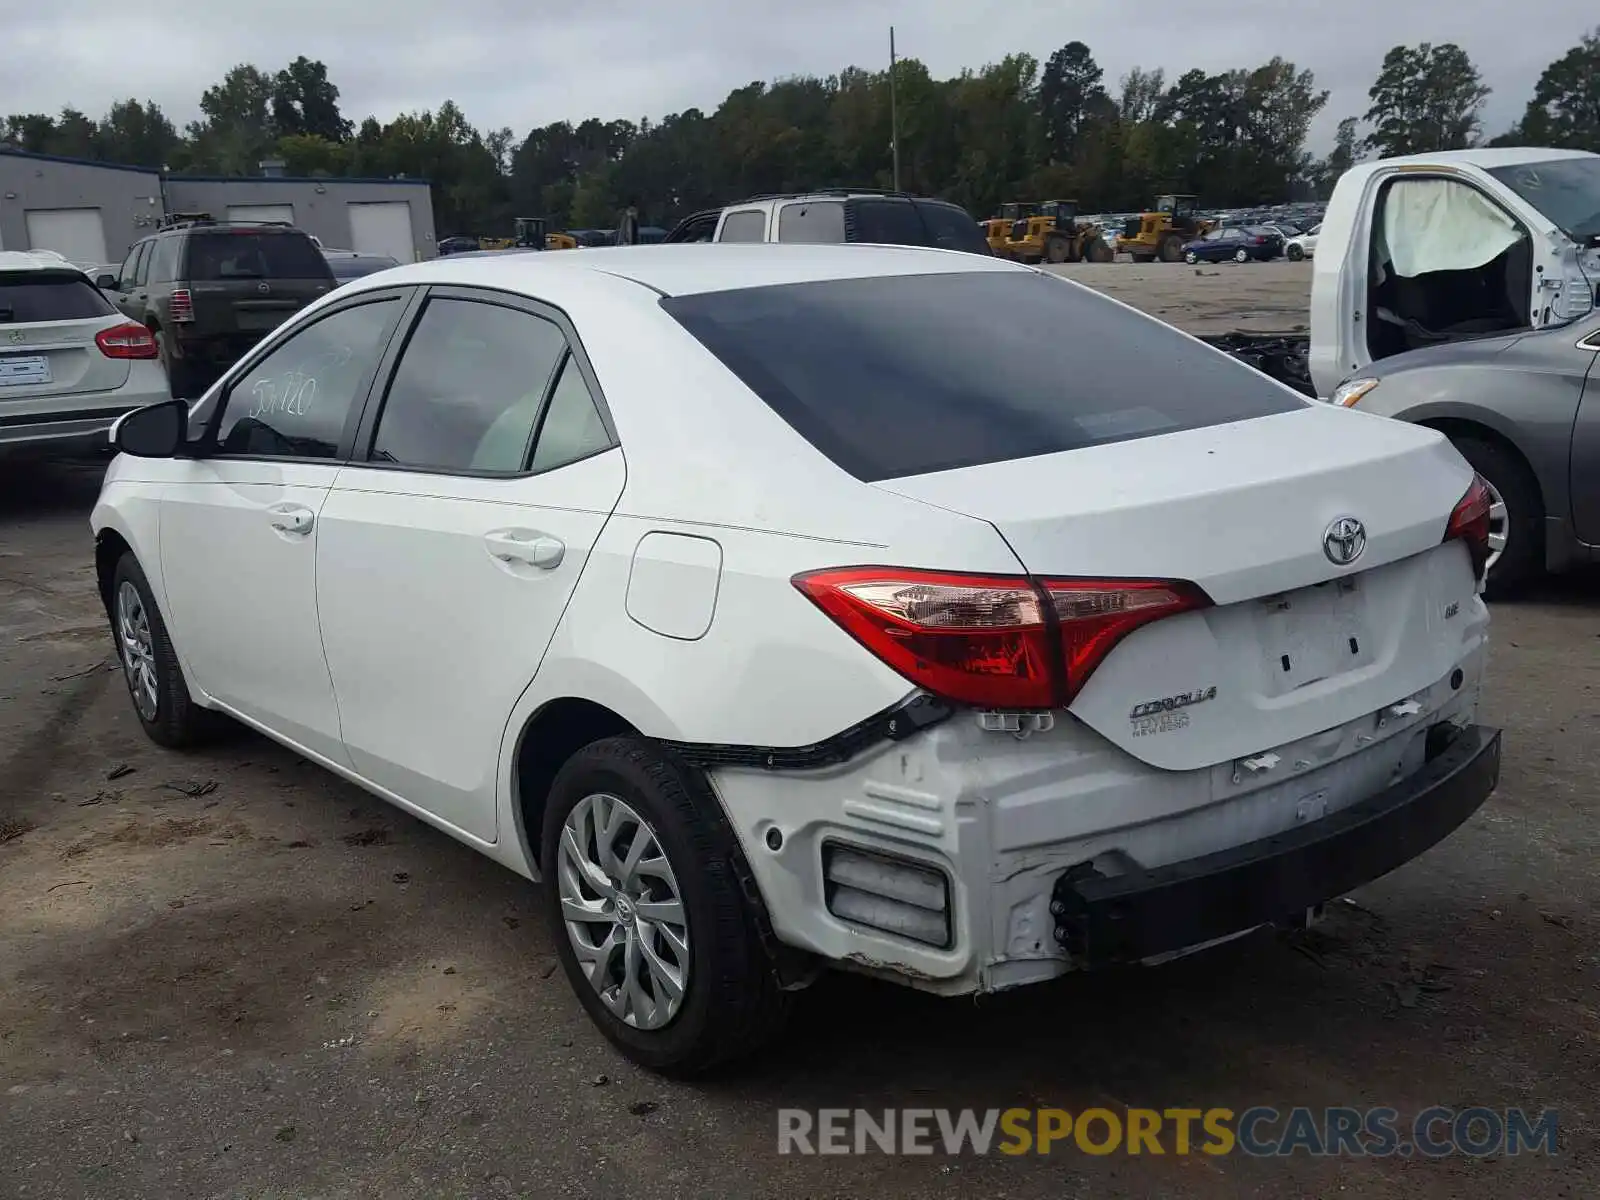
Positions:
(1050, 232)
(560, 241)
(1161, 234)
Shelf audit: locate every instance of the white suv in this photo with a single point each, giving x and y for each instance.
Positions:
(830, 218)
(70, 363)
(787, 607)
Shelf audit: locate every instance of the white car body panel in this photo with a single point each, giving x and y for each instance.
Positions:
(389, 642)
(402, 561)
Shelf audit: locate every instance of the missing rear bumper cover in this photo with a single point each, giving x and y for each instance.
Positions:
(1128, 918)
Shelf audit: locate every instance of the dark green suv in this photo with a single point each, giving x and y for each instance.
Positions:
(211, 290)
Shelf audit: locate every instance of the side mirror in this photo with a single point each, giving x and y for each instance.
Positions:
(106, 283)
(156, 431)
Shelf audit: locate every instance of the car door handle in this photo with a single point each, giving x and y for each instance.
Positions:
(291, 518)
(524, 546)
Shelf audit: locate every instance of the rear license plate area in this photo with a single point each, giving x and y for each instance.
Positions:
(1313, 634)
(21, 370)
(257, 319)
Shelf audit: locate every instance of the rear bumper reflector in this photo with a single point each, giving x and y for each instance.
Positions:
(1127, 918)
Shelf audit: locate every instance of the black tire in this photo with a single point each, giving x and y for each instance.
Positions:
(1100, 251)
(1057, 250)
(1171, 248)
(732, 1003)
(177, 722)
(1522, 561)
(1241, 256)
(183, 381)
(1191, 258)
(1295, 253)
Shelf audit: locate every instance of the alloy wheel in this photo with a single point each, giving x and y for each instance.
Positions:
(623, 911)
(138, 650)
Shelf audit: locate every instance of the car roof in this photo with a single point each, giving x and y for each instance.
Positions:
(36, 260)
(693, 268)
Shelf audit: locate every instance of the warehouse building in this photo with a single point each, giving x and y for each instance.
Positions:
(93, 213)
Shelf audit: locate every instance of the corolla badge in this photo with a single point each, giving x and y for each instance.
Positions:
(1344, 540)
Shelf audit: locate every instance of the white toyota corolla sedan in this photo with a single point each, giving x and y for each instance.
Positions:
(786, 607)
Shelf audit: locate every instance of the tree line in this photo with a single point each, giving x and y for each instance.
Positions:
(1016, 129)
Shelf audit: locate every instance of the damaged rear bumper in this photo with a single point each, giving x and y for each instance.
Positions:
(1149, 912)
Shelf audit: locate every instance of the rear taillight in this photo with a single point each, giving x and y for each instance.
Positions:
(1095, 614)
(995, 641)
(126, 341)
(1470, 523)
(181, 306)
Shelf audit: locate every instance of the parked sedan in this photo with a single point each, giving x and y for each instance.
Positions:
(865, 656)
(70, 363)
(1304, 246)
(1241, 243)
(1524, 409)
(348, 264)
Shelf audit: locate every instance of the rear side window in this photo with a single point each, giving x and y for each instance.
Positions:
(903, 375)
(747, 226)
(163, 260)
(468, 389)
(889, 222)
(41, 296)
(818, 223)
(951, 228)
(248, 254)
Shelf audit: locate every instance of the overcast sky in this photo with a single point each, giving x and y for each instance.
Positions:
(529, 62)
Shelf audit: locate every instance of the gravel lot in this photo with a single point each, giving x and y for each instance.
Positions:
(231, 975)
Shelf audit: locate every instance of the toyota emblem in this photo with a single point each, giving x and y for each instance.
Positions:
(16, 336)
(1344, 540)
(263, 286)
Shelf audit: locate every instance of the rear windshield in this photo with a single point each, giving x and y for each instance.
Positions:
(36, 296)
(246, 254)
(905, 375)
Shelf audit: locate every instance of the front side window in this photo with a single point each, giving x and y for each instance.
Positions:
(750, 225)
(468, 388)
(295, 402)
(887, 222)
(951, 228)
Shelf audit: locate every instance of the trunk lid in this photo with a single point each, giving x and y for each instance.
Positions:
(1294, 644)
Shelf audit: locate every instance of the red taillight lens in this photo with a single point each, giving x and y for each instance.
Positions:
(1470, 523)
(996, 641)
(1095, 614)
(181, 306)
(976, 639)
(126, 341)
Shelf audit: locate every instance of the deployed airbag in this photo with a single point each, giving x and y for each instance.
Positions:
(1440, 225)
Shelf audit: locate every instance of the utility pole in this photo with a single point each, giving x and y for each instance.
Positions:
(894, 114)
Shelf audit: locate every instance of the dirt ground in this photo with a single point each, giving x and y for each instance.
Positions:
(229, 974)
(1271, 297)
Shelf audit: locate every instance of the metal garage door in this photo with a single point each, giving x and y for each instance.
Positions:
(383, 228)
(77, 233)
(261, 212)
